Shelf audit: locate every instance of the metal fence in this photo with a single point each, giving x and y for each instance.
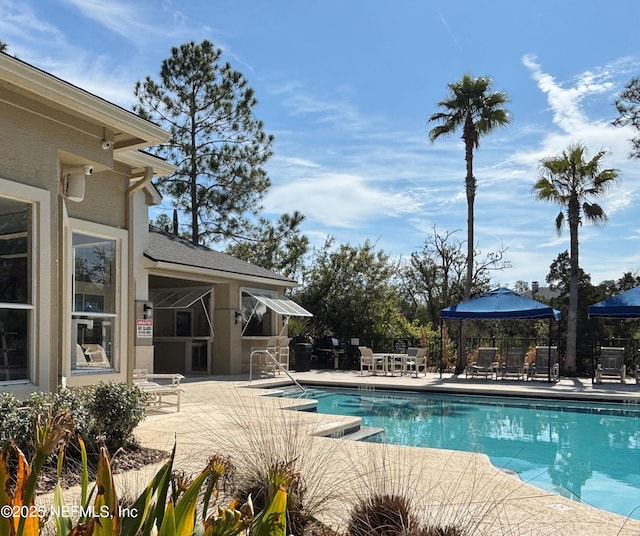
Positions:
(587, 350)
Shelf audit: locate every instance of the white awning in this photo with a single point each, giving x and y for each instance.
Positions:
(177, 298)
(278, 303)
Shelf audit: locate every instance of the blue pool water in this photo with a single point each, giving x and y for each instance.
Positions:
(585, 451)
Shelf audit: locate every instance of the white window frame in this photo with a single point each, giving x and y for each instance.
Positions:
(38, 357)
(120, 317)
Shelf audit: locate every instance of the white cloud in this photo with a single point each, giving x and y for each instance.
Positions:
(565, 102)
(296, 162)
(20, 28)
(122, 18)
(141, 23)
(338, 200)
(567, 106)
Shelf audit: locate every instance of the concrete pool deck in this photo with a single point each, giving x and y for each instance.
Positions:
(226, 415)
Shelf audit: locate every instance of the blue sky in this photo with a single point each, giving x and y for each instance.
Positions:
(346, 88)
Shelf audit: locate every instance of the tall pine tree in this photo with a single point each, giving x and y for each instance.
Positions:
(217, 144)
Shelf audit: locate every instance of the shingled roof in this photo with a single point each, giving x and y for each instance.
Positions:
(168, 248)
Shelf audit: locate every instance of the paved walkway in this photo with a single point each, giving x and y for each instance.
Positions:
(223, 415)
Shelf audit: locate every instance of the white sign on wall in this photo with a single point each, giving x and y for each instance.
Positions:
(144, 329)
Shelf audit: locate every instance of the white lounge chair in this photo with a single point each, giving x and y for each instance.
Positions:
(143, 380)
(611, 364)
(485, 363)
(546, 364)
(96, 355)
(91, 356)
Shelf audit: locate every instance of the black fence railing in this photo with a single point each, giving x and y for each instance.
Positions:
(631, 351)
(343, 353)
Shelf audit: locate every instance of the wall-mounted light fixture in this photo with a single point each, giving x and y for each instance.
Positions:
(238, 316)
(73, 181)
(147, 310)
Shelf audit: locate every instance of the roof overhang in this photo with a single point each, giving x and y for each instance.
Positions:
(139, 160)
(129, 130)
(184, 271)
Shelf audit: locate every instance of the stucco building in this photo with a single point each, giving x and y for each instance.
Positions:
(88, 291)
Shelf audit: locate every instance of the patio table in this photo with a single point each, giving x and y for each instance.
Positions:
(395, 362)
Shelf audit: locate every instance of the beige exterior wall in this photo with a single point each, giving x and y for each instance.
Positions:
(141, 349)
(24, 165)
(46, 126)
(36, 142)
(104, 200)
(227, 348)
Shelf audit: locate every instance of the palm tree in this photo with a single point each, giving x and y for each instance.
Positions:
(471, 106)
(571, 182)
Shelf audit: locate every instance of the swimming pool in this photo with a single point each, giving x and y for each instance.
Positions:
(584, 451)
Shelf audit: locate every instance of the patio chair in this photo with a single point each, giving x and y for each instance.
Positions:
(81, 359)
(262, 358)
(546, 362)
(370, 361)
(95, 356)
(514, 362)
(485, 363)
(611, 364)
(416, 359)
(282, 352)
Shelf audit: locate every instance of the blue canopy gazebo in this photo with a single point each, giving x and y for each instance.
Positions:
(500, 303)
(624, 305)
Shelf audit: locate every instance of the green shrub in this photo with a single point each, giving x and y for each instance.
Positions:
(19, 419)
(74, 400)
(107, 413)
(115, 410)
(12, 425)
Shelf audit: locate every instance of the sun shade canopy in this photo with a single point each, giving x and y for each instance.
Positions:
(177, 298)
(499, 303)
(279, 304)
(625, 305)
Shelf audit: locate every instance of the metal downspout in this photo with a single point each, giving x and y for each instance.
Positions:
(131, 294)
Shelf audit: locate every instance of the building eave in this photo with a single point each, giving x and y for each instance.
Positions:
(129, 130)
(208, 275)
(139, 160)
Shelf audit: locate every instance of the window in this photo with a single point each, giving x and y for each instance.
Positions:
(16, 287)
(256, 316)
(183, 323)
(94, 302)
(258, 305)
